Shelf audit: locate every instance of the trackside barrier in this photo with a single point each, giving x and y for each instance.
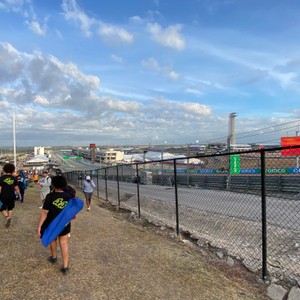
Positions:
(246, 203)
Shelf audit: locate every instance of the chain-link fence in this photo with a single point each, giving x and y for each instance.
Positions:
(246, 203)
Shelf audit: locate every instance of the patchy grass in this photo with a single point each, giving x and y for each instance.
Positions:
(113, 256)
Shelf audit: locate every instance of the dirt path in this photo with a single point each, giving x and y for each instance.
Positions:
(112, 258)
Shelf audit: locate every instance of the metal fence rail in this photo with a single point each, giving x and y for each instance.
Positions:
(251, 210)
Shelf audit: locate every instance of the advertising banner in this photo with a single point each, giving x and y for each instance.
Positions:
(235, 164)
(290, 141)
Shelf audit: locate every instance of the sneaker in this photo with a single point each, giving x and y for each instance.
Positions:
(41, 207)
(88, 209)
(8, 222)
(52, 260)
(64, 270)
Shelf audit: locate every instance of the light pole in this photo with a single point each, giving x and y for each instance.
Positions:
(14, 138)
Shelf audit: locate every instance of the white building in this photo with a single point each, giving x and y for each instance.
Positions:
(39, 151)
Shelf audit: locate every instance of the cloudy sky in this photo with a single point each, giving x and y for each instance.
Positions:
(145, 71)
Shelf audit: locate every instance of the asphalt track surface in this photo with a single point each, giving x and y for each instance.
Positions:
(280, 212)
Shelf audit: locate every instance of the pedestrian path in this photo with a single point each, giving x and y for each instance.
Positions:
(110, 258)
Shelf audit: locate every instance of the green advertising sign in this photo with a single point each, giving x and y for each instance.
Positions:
(235, 164)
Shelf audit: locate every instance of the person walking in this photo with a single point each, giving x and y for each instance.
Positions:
(22, 188)
(88, 186)
(44, 184)
(8, 190)
(35, 177)
(54, 203)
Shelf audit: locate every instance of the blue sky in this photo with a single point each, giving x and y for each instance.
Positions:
(146, 72)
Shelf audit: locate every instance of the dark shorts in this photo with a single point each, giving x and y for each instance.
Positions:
(7, 205)
(65, 231)
(88, 195)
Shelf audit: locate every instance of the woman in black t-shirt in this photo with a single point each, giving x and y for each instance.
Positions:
(55, 202)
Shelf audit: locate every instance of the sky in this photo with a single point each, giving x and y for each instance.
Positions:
(145, 72)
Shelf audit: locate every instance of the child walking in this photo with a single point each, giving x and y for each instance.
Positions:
(54, 203)
(8, 190)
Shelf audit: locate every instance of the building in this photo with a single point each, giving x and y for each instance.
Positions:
(39, 151)
(110, 156)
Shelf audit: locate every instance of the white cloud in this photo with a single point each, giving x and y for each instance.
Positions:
(16, 6)
(37, 77)
(152, 64)
(168, 37)
(173, 75)
(41, 100)
(73, 12)
(195, 108)
(11, 64)
(136, 20)
(116, 58)
(114, 35)
(110, 33)
(37, 28)
(123, 106)
(25, 8)
(285, 79)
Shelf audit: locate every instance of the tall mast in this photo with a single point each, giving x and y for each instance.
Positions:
(14, 137)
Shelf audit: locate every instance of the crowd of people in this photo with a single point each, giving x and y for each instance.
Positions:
(55, 193)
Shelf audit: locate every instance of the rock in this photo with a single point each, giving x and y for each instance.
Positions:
(230, 261)
(220, 254)
(294, 294)
(201, 242)
(276, 292)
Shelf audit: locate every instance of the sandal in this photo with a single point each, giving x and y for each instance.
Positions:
(8, 221)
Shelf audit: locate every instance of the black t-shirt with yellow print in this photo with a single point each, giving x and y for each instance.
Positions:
(8, 183)
(55, 202)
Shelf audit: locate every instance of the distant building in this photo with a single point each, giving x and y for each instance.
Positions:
(39, 151)
(37, 162)
(240, 147)
(109, 156)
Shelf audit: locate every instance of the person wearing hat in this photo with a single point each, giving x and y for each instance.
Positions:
(44, 184)
(88, 186)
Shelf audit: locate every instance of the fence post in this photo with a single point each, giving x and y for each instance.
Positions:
(138, 189)
(264, 214)
(176, 197)
(98, 183)
(106, 192)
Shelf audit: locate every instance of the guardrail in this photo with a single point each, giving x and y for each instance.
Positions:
(253, 217)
